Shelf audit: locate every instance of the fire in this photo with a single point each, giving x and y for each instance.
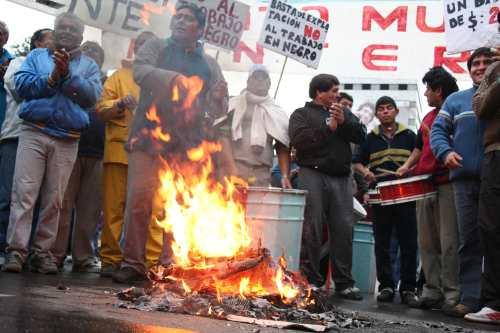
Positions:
(287, 291)
(206, 218)
(157, 133)
(186, 89)
(150, 8)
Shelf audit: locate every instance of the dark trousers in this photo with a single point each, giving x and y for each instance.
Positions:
(402, 218)
(329, 201)
(8, 149)
(469, 251)
(489, 229)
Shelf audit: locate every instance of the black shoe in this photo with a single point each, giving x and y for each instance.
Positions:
(352, 293)
(128, 275)
(409, 298)
(386, 295)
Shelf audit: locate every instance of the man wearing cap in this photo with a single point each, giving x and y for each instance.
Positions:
(387, 147)
(159, 65)
(321, 132)
(253, 123)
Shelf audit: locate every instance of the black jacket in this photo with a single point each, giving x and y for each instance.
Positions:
(320, 148)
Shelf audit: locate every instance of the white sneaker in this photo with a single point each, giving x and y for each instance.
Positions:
(486, 315)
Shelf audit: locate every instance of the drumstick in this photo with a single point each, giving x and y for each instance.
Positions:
(387, 171)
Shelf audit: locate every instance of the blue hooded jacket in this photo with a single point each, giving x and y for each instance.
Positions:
(457, 129)
(60, 111)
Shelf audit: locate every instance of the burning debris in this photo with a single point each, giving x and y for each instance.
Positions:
(319, 315)
(214, 271)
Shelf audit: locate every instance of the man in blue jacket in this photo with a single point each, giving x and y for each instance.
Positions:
(456, 141)
(58, 87)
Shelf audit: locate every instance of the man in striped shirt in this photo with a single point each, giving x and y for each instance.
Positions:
(387, 147)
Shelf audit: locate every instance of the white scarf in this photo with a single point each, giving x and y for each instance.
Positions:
(267, 119)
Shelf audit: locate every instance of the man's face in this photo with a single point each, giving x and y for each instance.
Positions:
(434, 97)
(46, 41)
(386, 114)
(365, 113)
(91, 50)
(259, 83)
(4, 36)
(67, 34)
(184, 26)
(327, 98)
(478, 67)
(345, 103)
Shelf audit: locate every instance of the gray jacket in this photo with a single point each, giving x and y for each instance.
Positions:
(11, 126)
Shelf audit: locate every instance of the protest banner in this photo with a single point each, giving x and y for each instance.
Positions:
(225, 21)
(470, 24)
(122, 17)
(293, 33)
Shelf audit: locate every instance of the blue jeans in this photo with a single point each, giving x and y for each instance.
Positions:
(8, 149)
(469, 250)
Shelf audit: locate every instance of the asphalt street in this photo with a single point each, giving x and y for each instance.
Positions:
(87, 303)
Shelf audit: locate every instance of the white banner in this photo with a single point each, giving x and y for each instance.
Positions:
(225, 21)
(123, 17)
(470, 24)
(369, 41)
(293, 33)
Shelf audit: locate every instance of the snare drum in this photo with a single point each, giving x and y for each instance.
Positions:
(406, 190)
(373, 197)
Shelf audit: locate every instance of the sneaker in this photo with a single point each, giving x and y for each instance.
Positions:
(352, 293)
(409, 298)
(459, 310)
(43, 263)
(107, 270)
(128, 275)
(486, 315)
(90, 265)
(13, 262)
(386, 295)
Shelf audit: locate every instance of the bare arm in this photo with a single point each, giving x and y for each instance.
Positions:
(410, 162)
(283, 153)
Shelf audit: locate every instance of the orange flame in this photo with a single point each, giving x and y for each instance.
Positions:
(206, 217)
(205, 220)
(157, 133)
(287, 290)
(244, 289)
(186, 88)
(150, 8)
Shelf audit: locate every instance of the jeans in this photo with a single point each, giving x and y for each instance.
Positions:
(8, 149)
(469, 250)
